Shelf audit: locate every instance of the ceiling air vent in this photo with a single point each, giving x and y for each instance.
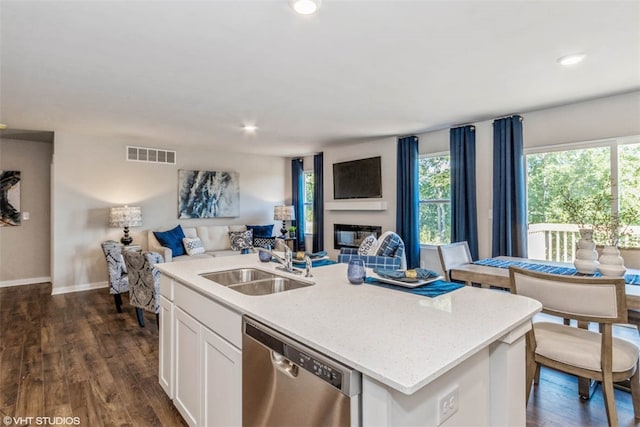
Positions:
(150, 155)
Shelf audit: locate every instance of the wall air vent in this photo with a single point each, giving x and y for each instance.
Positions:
(150, 155)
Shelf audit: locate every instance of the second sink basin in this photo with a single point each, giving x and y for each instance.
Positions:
(268, 286)
(239, 275)
(251, 281)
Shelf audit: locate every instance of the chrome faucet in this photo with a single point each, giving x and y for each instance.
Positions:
(307, 266)
(286, 262)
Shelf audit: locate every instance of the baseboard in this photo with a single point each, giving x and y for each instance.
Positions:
(27, 281)
(78, 288)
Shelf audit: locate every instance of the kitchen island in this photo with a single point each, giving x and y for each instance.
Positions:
(412, 351)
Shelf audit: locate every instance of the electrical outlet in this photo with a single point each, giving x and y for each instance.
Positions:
(447, 405)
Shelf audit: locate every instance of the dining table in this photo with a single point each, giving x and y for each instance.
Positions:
(487, 274)
(494, 272)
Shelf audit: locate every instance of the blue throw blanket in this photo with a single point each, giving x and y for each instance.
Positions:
(630, 279)
(431, 290)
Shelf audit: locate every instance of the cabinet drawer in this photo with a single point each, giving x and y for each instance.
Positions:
(215, 316)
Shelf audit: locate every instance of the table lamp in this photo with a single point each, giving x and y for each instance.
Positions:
(284, 213)
(125, 216)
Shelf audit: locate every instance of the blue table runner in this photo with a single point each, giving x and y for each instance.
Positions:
(431, 290)
(630, 279)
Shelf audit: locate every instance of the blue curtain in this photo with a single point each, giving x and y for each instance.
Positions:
(318, 203)
(407, 199)
(464, 216)
(297, 200)
(509, 197)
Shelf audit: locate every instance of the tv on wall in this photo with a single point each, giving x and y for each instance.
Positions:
(357, 179)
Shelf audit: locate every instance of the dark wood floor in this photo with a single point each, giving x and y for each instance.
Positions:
(72, 355)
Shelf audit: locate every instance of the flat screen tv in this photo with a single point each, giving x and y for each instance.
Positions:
(357, 179)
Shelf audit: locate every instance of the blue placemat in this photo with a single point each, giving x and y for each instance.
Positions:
(433, 289)
(630, 279)
(315, 263)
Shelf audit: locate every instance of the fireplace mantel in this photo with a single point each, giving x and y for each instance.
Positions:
(368, 205)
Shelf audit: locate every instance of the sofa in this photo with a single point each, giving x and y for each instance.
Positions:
(215, 239)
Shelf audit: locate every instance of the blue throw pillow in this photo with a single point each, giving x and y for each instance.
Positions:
(172, 239)
(261, 230)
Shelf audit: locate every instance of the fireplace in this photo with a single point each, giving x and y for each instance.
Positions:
(350, 236)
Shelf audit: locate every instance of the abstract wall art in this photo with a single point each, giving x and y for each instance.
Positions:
(9, 198)
(208, 194)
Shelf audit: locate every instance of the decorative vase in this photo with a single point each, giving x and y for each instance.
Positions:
(611, 263)
(356, 272)
(586, 261)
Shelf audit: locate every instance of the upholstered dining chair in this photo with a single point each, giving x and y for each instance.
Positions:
(454, 254)
(430, 259)
(577, 351)
(118, 280)
(144, 282)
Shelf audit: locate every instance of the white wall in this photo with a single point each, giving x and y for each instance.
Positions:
(25, 249)
(608, 117)
(386, 148)
(90, 175)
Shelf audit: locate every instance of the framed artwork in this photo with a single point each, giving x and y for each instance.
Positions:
(208, 194)
(9, 198)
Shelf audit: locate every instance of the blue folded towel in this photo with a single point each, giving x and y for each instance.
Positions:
(414, 275)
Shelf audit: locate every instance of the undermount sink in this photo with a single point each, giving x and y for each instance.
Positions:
(251, 281)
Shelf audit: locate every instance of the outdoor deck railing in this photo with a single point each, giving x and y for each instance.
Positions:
(557, 242)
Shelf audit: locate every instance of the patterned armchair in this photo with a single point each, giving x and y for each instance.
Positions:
(118, 280)
(389, 254)
(144, 282)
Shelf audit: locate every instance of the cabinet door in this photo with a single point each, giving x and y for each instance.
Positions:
(165, 367)
(187, 365)
(222, 381)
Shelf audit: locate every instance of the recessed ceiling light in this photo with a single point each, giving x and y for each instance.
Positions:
(250, 128)
(572, 59)
(305, 7)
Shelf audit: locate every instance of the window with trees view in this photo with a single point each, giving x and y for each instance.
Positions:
(555, 174)
(308, 202)
(435, 199)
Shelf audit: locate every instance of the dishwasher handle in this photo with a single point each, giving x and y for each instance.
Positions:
(284, 365)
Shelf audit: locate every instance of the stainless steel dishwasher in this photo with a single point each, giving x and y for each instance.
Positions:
(286, 383)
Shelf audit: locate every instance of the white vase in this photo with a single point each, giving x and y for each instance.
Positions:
(586, 261)
(611, 263)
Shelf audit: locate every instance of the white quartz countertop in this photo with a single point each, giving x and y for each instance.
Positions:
(403, 340)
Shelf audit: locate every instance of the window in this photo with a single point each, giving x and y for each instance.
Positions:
(308, 202)
(579, 170)
(435, 199)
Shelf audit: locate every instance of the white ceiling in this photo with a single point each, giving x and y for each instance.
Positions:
(180, 73)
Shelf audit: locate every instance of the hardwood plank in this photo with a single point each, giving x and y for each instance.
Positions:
(56, 391)
(10, 362)
(30, 400)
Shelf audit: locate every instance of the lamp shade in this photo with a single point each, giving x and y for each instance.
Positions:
(125, 216)
(284, 213)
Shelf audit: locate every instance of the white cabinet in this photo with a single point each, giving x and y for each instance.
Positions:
(222, 381)
(165, 367)
(187, 364)
(200, 356)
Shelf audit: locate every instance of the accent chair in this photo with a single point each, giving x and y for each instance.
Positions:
(118, 279)
(144, 282)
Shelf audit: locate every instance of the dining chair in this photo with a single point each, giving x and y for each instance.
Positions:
(574, 350)
(144, 282)
(430, 259)
(454, 254)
